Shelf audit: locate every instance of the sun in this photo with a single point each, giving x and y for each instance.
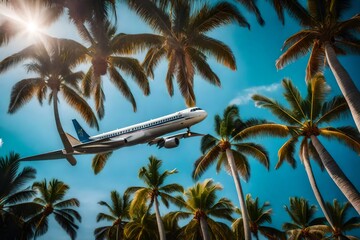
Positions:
(32, 27)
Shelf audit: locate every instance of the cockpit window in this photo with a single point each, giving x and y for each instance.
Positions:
(195, 109)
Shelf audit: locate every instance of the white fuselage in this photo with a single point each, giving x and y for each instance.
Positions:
(142, 132)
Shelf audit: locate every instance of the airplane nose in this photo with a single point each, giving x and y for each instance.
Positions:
(203, 115)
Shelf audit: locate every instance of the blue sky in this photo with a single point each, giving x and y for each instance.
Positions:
(32, 129)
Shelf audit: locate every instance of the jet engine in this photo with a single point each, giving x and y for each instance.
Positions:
(171, 142)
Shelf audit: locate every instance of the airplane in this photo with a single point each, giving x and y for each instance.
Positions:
(151, 132)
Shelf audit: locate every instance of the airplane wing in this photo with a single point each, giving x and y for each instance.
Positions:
(159, 141)
(45, 156)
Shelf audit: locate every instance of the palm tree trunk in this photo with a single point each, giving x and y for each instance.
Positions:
(62, 134)
(305, 159)
(204, 228)
(234, 173)
(346, 84)
(160, 224)
(337, 175)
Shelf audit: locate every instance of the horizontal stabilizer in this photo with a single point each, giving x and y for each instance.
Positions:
(46, 156)
(59, 154)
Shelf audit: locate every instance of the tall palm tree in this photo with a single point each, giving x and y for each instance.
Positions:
(303, 120)
(142, 225)
(182, 40)
(338, 213)
(303, 223)
(231, 153)
(118, 214)
(14, 207)
(53, 64)
(201, 203)
(51, 202)
(325, 35)
(155, 189)
(258, 215)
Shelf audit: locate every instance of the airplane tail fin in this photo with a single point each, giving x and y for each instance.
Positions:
(82, 135)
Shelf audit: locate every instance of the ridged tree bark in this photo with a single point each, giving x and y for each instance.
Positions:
(337, 175)
(244, 212)
(305, 159)
(346, 84)
(204, 228)
(159, 222)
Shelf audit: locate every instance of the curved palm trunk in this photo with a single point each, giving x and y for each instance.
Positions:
(159, 222)
(305, 159)
(234, 173)
(337, 175)
(346, 84)
(204, 229)
(62, 134)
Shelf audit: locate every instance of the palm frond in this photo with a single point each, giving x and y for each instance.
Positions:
(333, 110)
(23, 91)
(152, 15)
(271, 129)
(346, 135)
(135, 43)
(213, 47)
(99, 161)
(293, 97)
(220, 14)
(122, 86)
(296, 50)
(316, 61)
(255, 150)
(202, 67)
(204, 162)
(286, 152)
(132, 67)
(152, 59)
(276, 108)
(80, 105)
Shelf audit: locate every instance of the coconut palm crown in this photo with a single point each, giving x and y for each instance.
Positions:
(325, 34)
(118, 215)
(304, 120)
(182, 40)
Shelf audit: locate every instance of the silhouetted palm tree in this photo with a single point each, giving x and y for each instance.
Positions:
(231, 153)
(51, 202)
(303, 225)
(14, 205)
(303, 120)
(182, 40)
(155, 188)
(118, 215)
(325, 35)
(258, 215)
(338, 213)
(201, 203)
(53, 63)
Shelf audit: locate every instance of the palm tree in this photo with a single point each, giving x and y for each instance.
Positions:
(201, 203)
(13, 196)
(325, 35)
(304, 225)
(155, 188)
(118, 214)
(231, 153)
(182, 40)
(53, 64)
(258, 215)
(106, 55)
(51, 201)
(338, 213)
(303, 120)
(142, 225)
